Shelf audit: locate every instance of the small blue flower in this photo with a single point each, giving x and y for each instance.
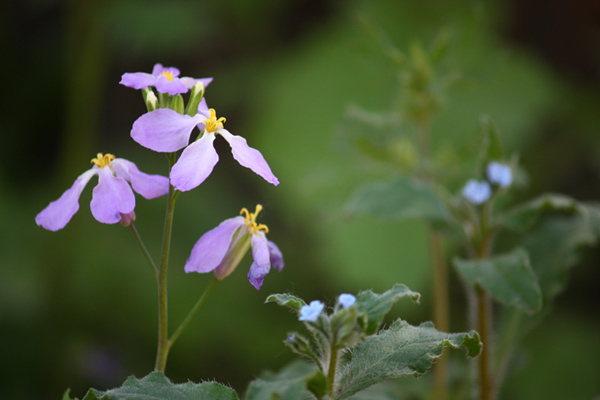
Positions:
(499, 174)
(477, 192)
(346, 300)
(311, 312)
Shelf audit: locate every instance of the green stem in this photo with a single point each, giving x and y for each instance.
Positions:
(484, 328)
(506, 345)
(332, 367)
(441, 309)
(144, 249)
(163, 323)
(193, 312)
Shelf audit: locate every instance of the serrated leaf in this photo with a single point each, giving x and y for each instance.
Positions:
(66, 395)
(291, 383)
(508, 278)
(403, 198)
(528, 214)
(401, 350)
(286, 300)
(157, 386)
(376, 306)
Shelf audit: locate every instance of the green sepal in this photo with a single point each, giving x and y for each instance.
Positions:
(196, 95)
(287, 300)
(177, 104)
(508, 278)
(301, 346)
(345, 328)
(157, 386)
(401, 350)
(376, 306)
(164, 100)
(401, 199)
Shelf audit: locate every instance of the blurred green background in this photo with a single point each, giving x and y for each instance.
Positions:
(78, 307)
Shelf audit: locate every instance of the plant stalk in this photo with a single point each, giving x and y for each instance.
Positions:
(193, 312)
(333, 359)
(163, 323)
(144, 249)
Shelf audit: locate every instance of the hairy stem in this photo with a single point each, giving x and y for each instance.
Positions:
(333, 359)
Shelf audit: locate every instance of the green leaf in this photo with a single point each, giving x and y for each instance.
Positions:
(525, 216)
(402, 350)
(492, 143)
(286, 300)
(403, 198)
(376, 306)
(292, 383)
(157, 386)
(508, 278)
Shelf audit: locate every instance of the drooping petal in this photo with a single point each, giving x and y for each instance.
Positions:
(191, 82)
(249, 157)
(173, 86)
(111, 197)
(210, 250)
(275, 256)
(262, 260)
(59, 212)
(164, 130)
(137, 80)
(149, 186)
(195, 164)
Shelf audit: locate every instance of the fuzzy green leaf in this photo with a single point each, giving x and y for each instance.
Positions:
(401, 350)
(156, 386)
(508, 278)
(294, 382)
(376, 306)
(528, 214)
(403, 198)
(286, 300)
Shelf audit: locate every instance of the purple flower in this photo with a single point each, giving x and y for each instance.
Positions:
(346, 300)
(165, 130)
(499, 174)
(311, 312)
(112, 199)
(477, 192)
(222, 248)
(166, 80)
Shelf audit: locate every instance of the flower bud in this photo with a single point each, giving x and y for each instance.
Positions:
(127, 219)
(196, 96)
(150, 99)
(177, 103)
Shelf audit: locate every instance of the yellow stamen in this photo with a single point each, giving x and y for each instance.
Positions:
(102, 161)
(212, 123)
(168, 75)
(251, 220)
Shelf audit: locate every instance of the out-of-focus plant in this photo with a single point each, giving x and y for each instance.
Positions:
(466, 197)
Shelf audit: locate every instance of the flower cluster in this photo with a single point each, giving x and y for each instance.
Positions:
(478, 192)
(167, 128)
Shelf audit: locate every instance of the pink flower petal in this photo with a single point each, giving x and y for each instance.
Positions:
(262, 261)
(195, 164)
(59, 212)
(137, 80)
(210, 250)
(249, 157)
(111, 197)
(164, 130)
(149, 186)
